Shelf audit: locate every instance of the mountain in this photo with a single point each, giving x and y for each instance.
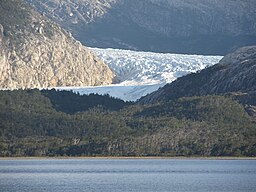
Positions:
(181, 119)
(181, 26)
(235, 73)
(140, 73)
(36, 52)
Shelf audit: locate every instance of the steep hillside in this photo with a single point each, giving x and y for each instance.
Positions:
(236, 72)
(181, 26)
(35, 52)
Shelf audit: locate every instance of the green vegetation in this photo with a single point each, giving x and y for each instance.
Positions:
(71, 103)
(61, 123)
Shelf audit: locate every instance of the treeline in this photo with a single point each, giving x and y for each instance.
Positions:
(61, 123)
(70, 102)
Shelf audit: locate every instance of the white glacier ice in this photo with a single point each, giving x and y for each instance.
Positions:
(140, 68)
(140, 73)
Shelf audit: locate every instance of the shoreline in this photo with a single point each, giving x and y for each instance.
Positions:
(127, 158)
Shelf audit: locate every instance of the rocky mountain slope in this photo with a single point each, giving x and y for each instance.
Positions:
(235, 73)
(181, 26)
(35, 52)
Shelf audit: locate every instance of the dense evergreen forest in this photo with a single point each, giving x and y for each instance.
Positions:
(62, 123)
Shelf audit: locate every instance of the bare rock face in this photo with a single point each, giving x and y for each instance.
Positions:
(3, 64)
(241, 55)
(37, 53)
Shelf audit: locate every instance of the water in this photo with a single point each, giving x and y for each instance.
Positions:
(121, 175)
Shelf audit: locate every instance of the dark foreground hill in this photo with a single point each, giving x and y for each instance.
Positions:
(34, 123)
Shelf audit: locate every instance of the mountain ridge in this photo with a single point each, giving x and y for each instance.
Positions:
(179, 26)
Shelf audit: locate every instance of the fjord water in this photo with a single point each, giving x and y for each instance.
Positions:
(114, 175)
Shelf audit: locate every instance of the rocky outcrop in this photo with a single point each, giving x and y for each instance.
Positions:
(37, 53)
(181, 26)
(235, 73)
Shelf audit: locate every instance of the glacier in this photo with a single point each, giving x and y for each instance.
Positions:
(140, 73)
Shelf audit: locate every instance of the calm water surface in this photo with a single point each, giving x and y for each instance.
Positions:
(121, 175)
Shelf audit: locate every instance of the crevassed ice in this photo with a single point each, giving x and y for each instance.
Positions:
(140, 73)
(142, 68)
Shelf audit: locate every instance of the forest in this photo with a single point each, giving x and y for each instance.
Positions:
(63, 123)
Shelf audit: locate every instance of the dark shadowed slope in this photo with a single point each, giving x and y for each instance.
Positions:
(181, 26)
